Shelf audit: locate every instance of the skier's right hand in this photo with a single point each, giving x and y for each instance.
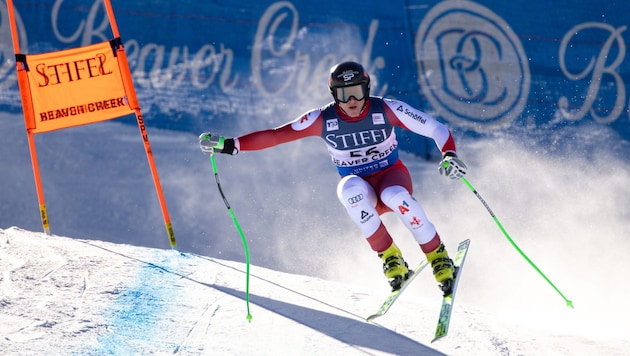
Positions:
(211, 143)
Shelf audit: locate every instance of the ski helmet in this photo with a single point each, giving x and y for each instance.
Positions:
(349, 79)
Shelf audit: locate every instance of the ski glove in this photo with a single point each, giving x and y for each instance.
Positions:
(451, 166)
(211, 143)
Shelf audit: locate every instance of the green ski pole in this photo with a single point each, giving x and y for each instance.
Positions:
(240, 232)
(496, 220)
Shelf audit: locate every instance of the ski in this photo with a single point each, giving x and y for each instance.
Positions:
(447, 301)
(393, 296)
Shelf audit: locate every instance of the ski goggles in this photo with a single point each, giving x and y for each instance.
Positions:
(343, 94)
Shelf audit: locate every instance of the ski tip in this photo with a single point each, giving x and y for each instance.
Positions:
(464, 243)
(372, 317)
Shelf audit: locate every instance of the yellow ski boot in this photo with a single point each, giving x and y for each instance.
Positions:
(443, 268)
(394, 267)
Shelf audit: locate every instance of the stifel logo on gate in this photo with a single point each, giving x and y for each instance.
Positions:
(75, 87)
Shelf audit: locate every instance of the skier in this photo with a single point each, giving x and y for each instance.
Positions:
(359, 132)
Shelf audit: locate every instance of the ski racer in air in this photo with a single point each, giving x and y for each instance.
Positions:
(358, 130)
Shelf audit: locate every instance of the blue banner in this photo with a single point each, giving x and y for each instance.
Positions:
(228, 66)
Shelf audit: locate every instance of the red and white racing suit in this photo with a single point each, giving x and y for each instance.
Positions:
(365, 151)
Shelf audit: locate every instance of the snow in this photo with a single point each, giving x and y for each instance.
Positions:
(106, 281)
(74, 296)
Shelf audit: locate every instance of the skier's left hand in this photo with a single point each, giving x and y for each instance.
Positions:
(451, 166)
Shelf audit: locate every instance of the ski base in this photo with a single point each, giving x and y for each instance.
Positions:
(393, 296)
(448, 300)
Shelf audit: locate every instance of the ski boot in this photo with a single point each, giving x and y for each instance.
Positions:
(443, 269)
(394, 267)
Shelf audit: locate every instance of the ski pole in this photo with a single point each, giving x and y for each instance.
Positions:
(496, 220)
(240, 232)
